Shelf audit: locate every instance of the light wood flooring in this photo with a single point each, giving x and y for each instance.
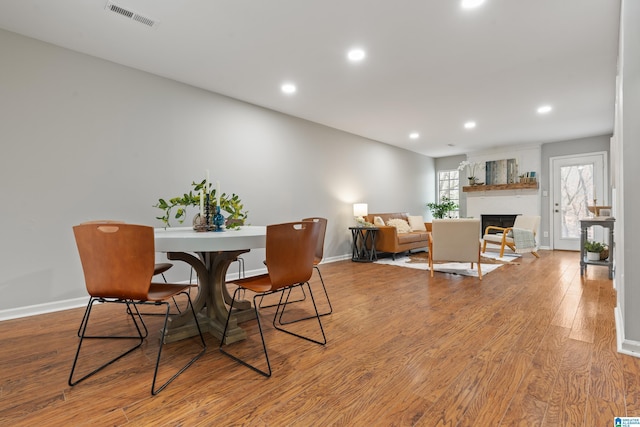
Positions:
(532, 344)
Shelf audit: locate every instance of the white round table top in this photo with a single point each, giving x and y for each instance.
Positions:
(186, 239)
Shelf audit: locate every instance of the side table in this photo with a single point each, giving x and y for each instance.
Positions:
(584, 225)
(363, 245)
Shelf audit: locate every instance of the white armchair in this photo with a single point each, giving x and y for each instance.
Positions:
(520, 238)
(455, 240)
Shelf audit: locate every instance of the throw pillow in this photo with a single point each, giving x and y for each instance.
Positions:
(377, 221)
(401, 225)
(417, 223)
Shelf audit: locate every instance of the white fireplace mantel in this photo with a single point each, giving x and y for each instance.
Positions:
(525, 202)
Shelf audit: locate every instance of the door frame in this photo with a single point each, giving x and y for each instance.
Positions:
(605, 185)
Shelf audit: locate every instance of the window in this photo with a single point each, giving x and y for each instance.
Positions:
(449, 186)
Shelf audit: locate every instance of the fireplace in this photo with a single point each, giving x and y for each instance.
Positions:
(499, 220)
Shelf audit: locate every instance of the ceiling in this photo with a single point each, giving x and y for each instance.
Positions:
(430, 65)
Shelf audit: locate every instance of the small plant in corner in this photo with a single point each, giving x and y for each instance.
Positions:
(442, 209)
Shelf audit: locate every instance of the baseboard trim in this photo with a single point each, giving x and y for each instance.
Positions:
(336, 258)
(625, 346)
(49, 307)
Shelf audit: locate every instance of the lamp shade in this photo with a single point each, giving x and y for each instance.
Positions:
(360, 209)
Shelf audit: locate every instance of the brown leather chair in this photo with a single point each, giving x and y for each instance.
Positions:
(322, 222)
(319, 255)
(290, 253)
(118, 264)
(158, 269)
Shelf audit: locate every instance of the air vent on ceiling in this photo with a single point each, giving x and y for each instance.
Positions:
(130, 14)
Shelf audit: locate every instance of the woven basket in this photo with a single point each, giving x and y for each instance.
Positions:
(604, 254)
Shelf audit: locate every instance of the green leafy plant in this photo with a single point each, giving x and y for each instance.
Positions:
(593, 246)
(176, 207)
(439, 210)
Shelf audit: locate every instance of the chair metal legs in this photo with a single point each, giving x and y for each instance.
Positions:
(266, 373)
(134, 313)
(303, 298)
(317, 316)
(155, 391)
(280, 305)
(83, 328)
(240, 262)
(308, 317)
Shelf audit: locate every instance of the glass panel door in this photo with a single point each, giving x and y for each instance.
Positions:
(577, 182)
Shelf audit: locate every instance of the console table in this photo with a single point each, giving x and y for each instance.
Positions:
(363, 245)
(584, 226)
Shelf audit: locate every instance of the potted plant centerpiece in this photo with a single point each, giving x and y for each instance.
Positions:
(594, 250)
(196, 197)
(439, 210)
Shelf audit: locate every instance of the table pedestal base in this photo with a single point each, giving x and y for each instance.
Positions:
(211, 302)
(215, 328)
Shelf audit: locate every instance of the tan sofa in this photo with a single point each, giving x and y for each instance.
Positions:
(389, 240)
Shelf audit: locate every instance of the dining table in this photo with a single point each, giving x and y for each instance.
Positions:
(209, 254)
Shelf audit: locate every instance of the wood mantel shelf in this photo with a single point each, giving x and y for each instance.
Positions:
(498, 187)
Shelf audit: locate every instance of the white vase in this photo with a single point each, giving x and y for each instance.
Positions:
(593, 256)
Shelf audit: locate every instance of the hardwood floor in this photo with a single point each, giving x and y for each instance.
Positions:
(532, 344)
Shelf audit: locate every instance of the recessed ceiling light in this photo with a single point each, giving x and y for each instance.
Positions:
(544, 109)
(470, 125)
(356, 55)
(414, 135)
(288, 88)
(471, 4)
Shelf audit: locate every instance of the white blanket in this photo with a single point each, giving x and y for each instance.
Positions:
(524, 240)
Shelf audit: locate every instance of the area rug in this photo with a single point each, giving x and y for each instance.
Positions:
(490, 262)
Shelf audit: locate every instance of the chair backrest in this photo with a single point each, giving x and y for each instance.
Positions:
(527, 222)
(290, 251)
(456, 239)
(117, 259)
(321, 233)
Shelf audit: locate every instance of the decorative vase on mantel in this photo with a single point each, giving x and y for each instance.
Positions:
(472, 180)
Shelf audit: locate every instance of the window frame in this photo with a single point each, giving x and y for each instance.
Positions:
(454, 185)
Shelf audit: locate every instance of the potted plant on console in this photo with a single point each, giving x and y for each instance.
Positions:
(594, 250)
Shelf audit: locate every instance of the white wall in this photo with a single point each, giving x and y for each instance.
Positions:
(627, 197)
(83, 138)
